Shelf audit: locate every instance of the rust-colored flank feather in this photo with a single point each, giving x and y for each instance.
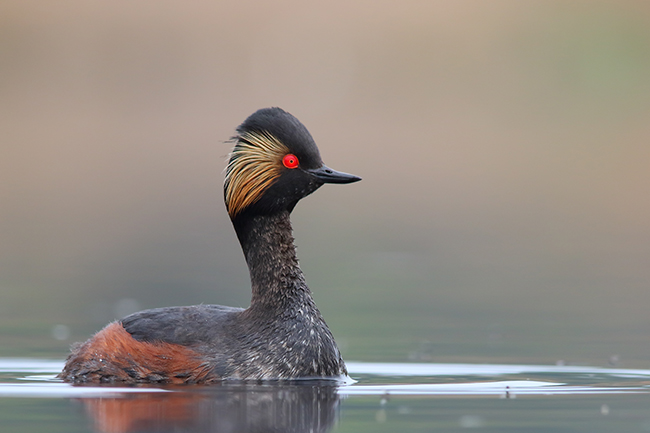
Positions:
(113, 355)
(255, 162)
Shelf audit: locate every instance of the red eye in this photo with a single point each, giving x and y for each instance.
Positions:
(290, 161)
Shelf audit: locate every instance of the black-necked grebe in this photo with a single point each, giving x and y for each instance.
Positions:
(282, 335)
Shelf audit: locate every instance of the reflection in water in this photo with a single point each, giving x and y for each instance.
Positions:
(262, 408)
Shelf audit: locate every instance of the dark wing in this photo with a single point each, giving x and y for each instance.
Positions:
(186, 326)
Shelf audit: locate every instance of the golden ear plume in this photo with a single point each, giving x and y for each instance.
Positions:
(253, 165)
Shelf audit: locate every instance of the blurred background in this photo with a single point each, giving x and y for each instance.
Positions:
(504, 212)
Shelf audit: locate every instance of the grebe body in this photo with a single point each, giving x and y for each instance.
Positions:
(281, 335)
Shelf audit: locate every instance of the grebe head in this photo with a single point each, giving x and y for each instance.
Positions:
(274, 163)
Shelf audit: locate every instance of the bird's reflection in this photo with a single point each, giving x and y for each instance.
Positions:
(244, 408)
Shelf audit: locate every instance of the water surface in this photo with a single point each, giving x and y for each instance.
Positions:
(382, 397)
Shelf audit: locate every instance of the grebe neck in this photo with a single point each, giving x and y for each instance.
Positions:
(277, 281)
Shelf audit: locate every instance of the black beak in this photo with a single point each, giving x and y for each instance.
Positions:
(327, 175)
